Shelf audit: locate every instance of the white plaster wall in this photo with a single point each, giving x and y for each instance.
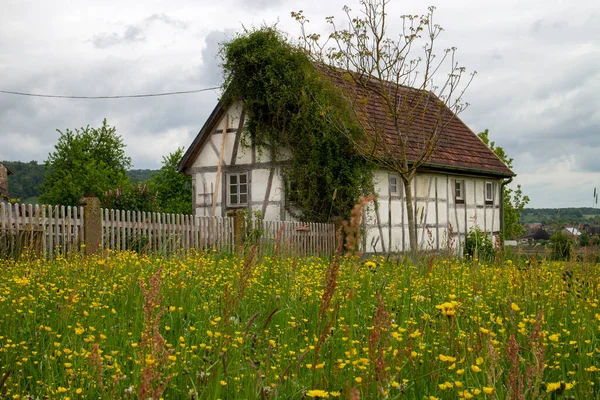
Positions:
(390, 232)
(430, 221)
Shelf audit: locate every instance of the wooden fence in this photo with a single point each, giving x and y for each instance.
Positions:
(298, 238)
(52, 230)
(45, 230)
(164, 233)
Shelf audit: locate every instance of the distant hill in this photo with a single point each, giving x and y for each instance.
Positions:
(140, 175)
(27, 177)
(548, 216)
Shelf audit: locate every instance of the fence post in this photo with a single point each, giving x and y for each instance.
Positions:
(239, 228)
(92, 228)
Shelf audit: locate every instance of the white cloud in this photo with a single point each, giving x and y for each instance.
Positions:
(536, 88)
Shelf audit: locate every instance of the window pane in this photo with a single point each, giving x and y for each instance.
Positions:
(243, 189)
(488, 195)
(233, 179)
(243, 199)
(243, 178)
(233, 189)
(233, 199)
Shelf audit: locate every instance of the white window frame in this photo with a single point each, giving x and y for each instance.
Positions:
(394, 193)
(459, 191)
(490, 199)
(238, 192)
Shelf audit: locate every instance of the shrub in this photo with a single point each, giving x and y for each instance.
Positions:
(479, 245)
(584, 239)
(562, 246)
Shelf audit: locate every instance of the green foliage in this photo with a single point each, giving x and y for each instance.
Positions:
(513, 199)
(140, 175)
(132, 196)
(584, 239)
(89, 160)
(286, 101)
(561, 216)
(479, 245)
(562, 246)
(173, 189)
(26, 178)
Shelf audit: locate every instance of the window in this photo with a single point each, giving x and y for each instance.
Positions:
(489, 193)
(238, 189)
(459, 192)
(394, 186)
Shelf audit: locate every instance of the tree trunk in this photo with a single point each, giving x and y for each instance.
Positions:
(412, 231)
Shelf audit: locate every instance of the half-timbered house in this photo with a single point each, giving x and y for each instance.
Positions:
(459, 187)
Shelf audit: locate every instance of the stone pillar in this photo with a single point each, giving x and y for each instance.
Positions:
(92, 228)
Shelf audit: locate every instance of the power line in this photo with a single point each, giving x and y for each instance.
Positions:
(53, 96)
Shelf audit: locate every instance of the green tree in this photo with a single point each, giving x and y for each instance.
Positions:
(173, 189)
(514, 200)
(374, 59)
(87, 161)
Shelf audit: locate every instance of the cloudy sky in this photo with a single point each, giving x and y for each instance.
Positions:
(536, 90)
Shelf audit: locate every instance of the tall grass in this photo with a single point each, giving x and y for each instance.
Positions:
(211, 325)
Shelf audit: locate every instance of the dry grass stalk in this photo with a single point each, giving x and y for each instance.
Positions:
(154, 351)
(495, 370)
(515, 380)
(378, 342)
(352, 228)
(535, 372)
(96, 361)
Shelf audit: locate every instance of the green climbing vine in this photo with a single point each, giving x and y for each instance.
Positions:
(290, 108)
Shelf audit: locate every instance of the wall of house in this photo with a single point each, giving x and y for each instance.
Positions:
(210, 186)
(441, 221)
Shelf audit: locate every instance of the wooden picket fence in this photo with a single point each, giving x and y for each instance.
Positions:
(298, 238)
(42, 229)
(48, 231)
(164, 233)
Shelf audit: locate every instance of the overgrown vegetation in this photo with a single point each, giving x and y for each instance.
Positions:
(216, 326)
(284, 98)
(562, 246)
(479, 245)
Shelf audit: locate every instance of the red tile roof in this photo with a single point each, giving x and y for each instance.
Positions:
(458, 147)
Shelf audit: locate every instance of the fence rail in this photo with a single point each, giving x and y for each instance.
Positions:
(52, 230)
(46, 230)
(165, 233)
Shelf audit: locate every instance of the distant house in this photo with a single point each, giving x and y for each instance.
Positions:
(592, 229)
(4, 173)
(540, 234)
(571, 232)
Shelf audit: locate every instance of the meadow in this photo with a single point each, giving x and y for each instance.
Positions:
(226, 326)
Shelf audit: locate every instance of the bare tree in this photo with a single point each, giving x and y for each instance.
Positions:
(401, 93)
